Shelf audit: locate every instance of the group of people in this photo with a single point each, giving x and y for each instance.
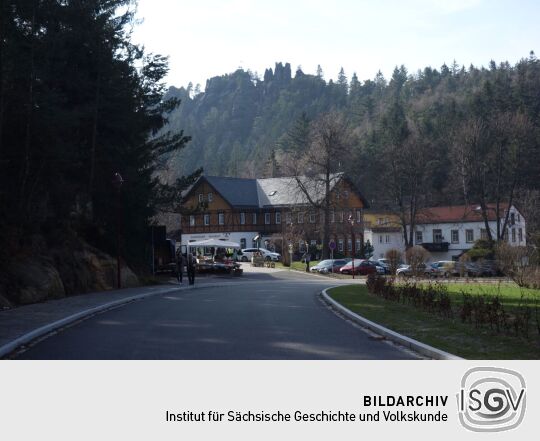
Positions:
(189, 261)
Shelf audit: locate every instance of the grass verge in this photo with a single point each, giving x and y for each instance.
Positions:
(449, 335)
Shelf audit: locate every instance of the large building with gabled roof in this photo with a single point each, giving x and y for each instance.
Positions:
(280, 211)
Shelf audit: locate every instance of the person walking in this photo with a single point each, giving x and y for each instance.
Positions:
(180, 263)
(191, 262)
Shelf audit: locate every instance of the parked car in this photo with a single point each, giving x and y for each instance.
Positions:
(381, 268)
(445, 268)
(484, 268)
(361, 267)
(247, 254)
(329, 265)
(423, 269)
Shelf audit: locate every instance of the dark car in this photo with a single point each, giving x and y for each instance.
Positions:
(485, 268)
(361, 267)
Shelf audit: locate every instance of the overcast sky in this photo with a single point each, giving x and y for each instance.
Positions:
(205, 38)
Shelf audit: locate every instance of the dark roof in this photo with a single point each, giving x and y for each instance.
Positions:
(260, 193)
(238, 192)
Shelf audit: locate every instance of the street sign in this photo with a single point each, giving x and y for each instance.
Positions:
(332, 245)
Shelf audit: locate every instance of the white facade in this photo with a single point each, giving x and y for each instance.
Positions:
(384, 239)
(462, 235)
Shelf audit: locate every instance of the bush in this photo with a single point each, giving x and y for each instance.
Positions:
(519, 263)
(394, 259)
(482, 311)
(416, 256)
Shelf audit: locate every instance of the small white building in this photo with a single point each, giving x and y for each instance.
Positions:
(384, 238)
(448, 232)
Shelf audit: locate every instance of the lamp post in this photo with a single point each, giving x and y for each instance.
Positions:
(117, 183)
(351, 221)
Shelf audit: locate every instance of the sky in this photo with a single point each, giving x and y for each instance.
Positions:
(207, 38)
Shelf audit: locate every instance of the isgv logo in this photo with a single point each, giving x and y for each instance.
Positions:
(491, 399)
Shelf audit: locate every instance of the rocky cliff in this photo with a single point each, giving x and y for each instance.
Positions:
(73, 267)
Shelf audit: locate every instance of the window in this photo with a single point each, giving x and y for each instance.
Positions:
(483, 234)
(210, 197)
(380, 221)
(380, 238)
(386, 221)
(300, 218)
(518, 217)
(201, 197)
(387, 238)
(221, 219)
(455, 236)
(311, 218)
(288, 217)
(359, 216)
(207, 219)
(278, 217)
(332, 216)
(192, 221)
(469, 236)
(512, 218)
(254, 219)
(341, 216)
(437, 236)
(301, 246)
(340, 245)
(267, 218)
(242, 219)
(243, 243)
(349, 244)
(520, 234)
(419, 237)
(513, 234)
(357, 244)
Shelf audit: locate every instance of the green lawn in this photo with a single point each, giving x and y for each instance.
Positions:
(509, 293)
(447, 334)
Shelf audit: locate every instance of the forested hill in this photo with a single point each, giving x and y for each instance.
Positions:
(239, 119)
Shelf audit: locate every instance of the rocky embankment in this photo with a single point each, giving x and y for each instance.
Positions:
(70, 269)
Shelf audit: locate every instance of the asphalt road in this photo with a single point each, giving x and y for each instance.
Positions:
(276, 315)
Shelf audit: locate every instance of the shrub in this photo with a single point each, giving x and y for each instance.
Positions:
(416, 256)
(519, 263)
(394, 259)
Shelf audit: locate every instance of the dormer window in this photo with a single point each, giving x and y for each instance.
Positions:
(210, 197)
(272, 193)
(201, 197)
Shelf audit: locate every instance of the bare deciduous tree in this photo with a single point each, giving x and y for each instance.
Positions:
(315, 169)
(492, 162)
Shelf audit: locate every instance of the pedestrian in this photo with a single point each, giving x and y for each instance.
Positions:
(180, 263)
(191, 263)
(308, 259)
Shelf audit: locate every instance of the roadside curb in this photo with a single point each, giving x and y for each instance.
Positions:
(415, 345)
(24, 339)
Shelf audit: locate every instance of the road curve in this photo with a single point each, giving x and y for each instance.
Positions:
(276, 315)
